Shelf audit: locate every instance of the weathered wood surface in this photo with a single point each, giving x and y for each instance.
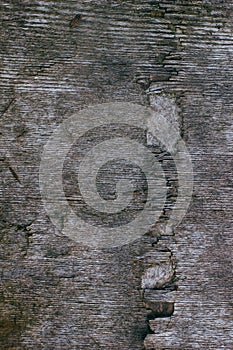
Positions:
(55, 293)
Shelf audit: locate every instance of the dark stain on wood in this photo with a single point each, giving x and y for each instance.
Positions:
(75, 21)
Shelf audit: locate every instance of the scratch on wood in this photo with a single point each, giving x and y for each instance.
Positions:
(8, 106)
(13, 172)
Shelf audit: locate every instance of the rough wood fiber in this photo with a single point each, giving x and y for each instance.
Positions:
(56, 294)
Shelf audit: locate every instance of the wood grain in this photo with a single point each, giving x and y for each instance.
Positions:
(55, 293)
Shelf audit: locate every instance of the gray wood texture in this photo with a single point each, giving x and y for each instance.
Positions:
(58, 57)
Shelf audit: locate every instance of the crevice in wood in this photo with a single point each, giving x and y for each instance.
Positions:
(161, 277)
(160, 309)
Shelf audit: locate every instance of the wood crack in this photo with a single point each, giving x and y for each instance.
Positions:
(7, 107)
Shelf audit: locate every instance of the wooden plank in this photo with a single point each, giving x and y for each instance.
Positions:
(57, 58)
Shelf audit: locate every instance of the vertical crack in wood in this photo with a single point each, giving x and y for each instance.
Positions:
(159, 282)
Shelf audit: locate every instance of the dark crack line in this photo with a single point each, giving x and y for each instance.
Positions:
(14, 174)
(7, 107)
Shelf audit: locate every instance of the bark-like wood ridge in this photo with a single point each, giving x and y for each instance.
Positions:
(160, 292)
